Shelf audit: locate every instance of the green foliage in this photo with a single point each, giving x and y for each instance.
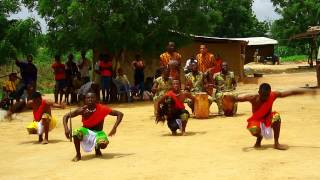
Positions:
(294, 58)
(283, 51)
(297, 16)
(16, 36)
(122, 25)
(234, 18)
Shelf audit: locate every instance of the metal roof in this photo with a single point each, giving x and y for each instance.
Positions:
(256, 41)
(252, 41)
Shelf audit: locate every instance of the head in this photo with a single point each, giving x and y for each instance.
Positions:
(90, 99)
(13, 76)
(120, 71)
(203, 49)
(224, 67)
(36, 97)
(83, 54)
(194, 67)
(176, 85)
(57, 58)
(165, 73)
(264, 92)
(70, 57)
(171, 47)
(137, 57)
(29, 58)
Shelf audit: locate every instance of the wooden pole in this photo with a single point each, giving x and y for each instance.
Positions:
(318, 72)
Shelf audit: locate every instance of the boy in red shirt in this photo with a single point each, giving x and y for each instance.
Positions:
(60, 77)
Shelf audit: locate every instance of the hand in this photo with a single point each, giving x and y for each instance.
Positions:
(113, 132)
(67, 133)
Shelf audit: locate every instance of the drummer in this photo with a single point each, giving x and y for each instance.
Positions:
(171, 108)
(225, 84)
(194, 83)
(161, 85)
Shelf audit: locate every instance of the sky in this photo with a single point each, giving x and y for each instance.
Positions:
(263, 9)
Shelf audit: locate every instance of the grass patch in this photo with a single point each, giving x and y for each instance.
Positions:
(295, 58)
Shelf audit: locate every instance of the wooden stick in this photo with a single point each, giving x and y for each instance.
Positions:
(70, 127)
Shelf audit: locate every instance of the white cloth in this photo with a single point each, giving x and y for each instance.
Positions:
(188, 63)
(266, 132)
(40, 129)
(84, 71)
(89, 141)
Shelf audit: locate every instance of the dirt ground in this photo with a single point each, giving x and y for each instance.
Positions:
(216, 148)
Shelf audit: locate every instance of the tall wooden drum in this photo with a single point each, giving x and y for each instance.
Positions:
(201, 106)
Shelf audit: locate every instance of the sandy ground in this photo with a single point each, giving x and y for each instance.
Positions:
(217, 148)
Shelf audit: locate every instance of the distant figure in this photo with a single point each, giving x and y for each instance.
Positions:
(217, 64)
(71, 75)
(264, 120)
(124, 83)
(28, 73)
(9, 91)
(205, 59)
(188, 67)
(138, 67)
(172, 60)
(91, 135)
(59, 71)
(84, 66)
(105, 72)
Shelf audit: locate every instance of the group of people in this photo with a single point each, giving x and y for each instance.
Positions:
(204, 74)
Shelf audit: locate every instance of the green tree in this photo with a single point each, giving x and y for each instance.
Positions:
(233, 18)
(16, 36)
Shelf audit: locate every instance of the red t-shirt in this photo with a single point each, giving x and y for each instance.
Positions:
(103, 65)
(59, 71)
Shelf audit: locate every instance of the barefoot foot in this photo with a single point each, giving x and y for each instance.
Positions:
(280, 147)
(98, 152)
(76, 158)
(40, 139)
(45, 141)
(257, 145)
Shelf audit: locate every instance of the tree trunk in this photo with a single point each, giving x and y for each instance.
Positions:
(318, 72)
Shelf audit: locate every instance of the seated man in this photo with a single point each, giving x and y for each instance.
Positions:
(194, 84)
(171, 107)
(263, 119)
(91, 134)
(123, 83)
(9, 91)
(225, 84)
(43, 121)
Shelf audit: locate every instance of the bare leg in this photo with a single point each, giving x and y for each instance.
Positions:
(56, 93)
(40, 138)
(101, 146)
(276, 129)
(45, 123)
(184, 125)
(257, 134)
(103, 95)
(76, 142)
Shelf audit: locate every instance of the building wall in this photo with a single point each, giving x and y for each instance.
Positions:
(229, 52)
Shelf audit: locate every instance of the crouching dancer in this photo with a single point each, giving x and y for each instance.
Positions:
(91, 134)
(172, 109)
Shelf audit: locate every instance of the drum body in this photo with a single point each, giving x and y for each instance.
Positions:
(201, 106)
(228, 105)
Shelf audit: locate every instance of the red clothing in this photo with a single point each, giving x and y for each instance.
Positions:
(96, 117)
(59, 71)
(37, 114)
(177, 103)
(263, 114)
(217, 65)
(103, 65)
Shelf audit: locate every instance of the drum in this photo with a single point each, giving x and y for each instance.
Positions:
(229, 106)
(201, 106)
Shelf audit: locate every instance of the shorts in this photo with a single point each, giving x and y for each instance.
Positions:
(60, 84)
(90, 138)
(105, 82)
